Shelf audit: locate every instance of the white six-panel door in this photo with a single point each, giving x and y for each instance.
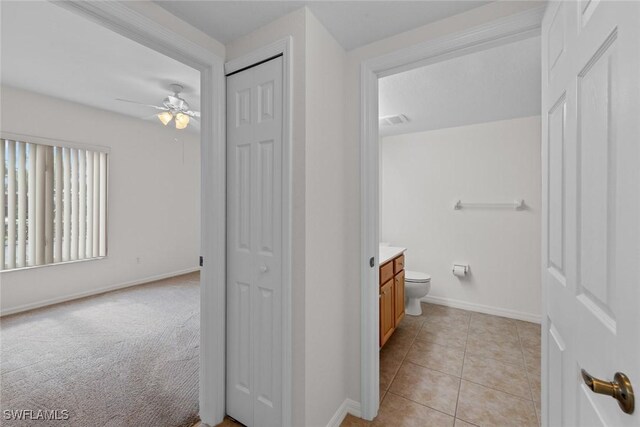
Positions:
(591, 196)
(254, 245)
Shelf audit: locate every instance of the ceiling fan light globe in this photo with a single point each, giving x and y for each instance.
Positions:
(165, 117)
(182, 121)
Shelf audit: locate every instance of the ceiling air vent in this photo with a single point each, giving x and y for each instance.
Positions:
(393, 120)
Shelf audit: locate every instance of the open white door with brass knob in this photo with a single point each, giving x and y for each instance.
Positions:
(590, 211)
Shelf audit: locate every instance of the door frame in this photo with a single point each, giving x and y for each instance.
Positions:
(122, 19)
(282, 47)
(501, 31)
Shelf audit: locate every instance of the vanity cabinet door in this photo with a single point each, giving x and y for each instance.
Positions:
(387, 318)
(398, 264)
(398, 291)
(386, 272)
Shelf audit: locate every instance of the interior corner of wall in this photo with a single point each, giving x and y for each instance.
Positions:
(162, 16)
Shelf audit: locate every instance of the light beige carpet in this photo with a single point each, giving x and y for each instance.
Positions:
(124, 358)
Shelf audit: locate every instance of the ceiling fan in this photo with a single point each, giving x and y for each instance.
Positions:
(173, 108)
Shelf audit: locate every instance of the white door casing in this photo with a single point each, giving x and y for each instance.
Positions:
(254, 244)
(591, 196)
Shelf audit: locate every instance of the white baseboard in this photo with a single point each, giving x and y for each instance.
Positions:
(98, 291)
(349, 406)
(496, 311)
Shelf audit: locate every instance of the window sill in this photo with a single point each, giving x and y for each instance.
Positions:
(55, 264)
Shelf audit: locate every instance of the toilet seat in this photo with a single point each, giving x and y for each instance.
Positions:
(416, 277)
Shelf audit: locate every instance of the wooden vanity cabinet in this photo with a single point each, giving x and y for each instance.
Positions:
(391, 296)
(386, 272)
(398, 264)
(387, 320)
(398, 295)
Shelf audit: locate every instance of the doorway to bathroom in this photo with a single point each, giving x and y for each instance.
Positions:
(459, 194)
(451, 172)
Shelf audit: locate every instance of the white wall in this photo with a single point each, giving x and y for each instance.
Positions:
(326, 227)
(351, 152)
(154, 199)
(424, 173)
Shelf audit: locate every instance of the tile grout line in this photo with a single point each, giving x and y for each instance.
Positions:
(475, 382)
(402, 362)
(526, 371)
(434, 370)
(465, 421)
(462, 369)
(421, 404)
(497, 389)
(393, 378)
(515, 365)
(462, 373)
(522, 367)
(468, 422)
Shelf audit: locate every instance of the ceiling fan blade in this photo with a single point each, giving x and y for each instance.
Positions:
(195, 114)
(145, 105)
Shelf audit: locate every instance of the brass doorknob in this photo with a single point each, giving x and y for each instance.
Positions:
(620, 389)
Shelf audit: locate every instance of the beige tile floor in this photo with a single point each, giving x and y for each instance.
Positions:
(453, 367)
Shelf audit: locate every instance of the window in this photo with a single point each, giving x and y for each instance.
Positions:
(54, 204)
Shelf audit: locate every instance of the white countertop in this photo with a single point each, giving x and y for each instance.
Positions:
(387, 253)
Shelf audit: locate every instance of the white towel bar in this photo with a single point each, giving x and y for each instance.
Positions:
(516, 204)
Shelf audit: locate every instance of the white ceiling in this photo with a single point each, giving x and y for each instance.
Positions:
(49, 50)
(352, 23)
(495, 84)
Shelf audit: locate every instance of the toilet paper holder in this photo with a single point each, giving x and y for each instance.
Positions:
(460, 270)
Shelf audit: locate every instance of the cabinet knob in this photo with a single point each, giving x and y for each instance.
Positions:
(264, 268)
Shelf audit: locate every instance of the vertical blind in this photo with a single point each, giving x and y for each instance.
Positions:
(54, 204)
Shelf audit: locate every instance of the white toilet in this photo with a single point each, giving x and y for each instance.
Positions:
(416, 285)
